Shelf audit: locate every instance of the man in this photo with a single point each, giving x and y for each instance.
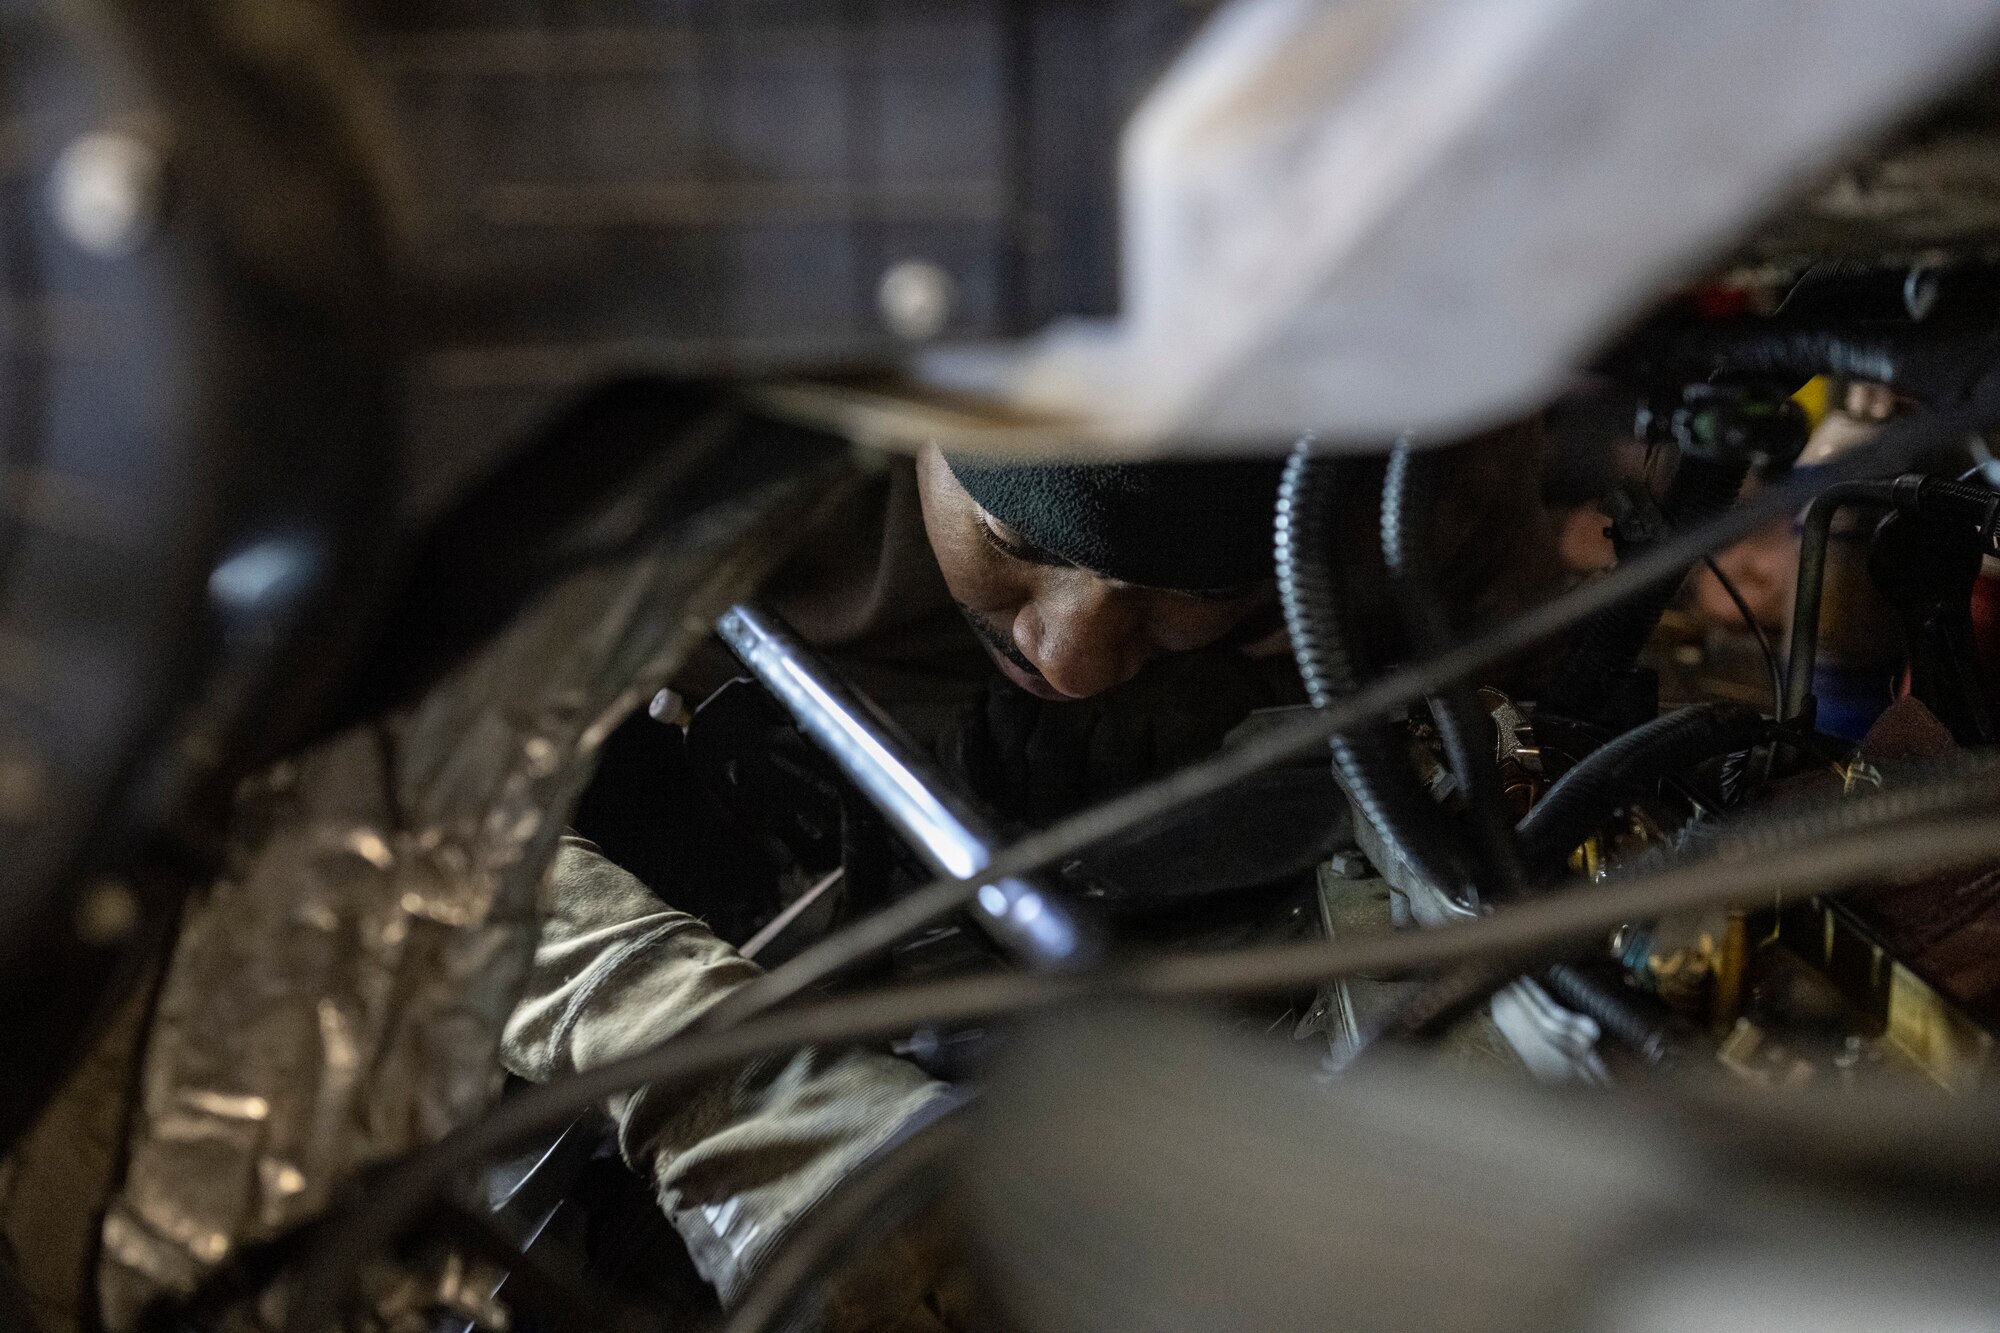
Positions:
(1059, 633)
(1075, 578)
(995, 611)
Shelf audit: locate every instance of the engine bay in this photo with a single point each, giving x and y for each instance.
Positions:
(518, 811)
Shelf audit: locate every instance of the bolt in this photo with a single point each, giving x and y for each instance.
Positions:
(107, 913)
(668, 707)
(106, 192)
(915, 299)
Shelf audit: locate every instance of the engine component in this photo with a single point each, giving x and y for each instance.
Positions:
(1719, 435)
(1974, 510)
(1926, 570)
(1556, 1044)
(1823, 1003)
(1585, 797)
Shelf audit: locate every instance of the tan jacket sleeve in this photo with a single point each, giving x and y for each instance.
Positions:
(737, 1161)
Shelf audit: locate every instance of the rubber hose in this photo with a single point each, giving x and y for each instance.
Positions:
(1606, 645)
(1976, 503)
(1944, 364)
(1962, 781)
(1798, 353)
(1410, 497)
(1583, 798)
(1371, 767)
(1641, 1024)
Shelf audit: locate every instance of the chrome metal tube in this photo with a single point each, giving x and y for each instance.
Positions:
(946, 832)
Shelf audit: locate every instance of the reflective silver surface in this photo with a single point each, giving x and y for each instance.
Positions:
(338, 995)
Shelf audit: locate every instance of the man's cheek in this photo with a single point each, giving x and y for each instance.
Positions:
(1188, 628)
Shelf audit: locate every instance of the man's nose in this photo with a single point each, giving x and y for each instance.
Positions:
(1082, 645)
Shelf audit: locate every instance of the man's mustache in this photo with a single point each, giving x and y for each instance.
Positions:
(990, 635)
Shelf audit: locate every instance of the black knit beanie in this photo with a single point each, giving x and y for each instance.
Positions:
(1198, 525)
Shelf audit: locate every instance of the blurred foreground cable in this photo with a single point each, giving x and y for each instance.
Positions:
(1856, 852)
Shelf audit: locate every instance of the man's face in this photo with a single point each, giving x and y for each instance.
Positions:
(1053, 629)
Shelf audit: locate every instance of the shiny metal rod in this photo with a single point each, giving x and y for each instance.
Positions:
(919, 804)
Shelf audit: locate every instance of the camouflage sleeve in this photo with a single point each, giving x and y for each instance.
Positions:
(735, 1162)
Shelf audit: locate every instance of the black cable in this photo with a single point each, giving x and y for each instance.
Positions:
(1641, 1023)
(1775, 676)
(1943, 364)
(1845, 846)
(1409, 498)
(1409, 495)
(1904, 439)
(1316, 588)
(1439, 1003)
(1626, 766)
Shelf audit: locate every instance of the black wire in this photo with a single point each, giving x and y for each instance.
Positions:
(1465, 732)
(368, 1221)
(1890, 450)
(1776, 676)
